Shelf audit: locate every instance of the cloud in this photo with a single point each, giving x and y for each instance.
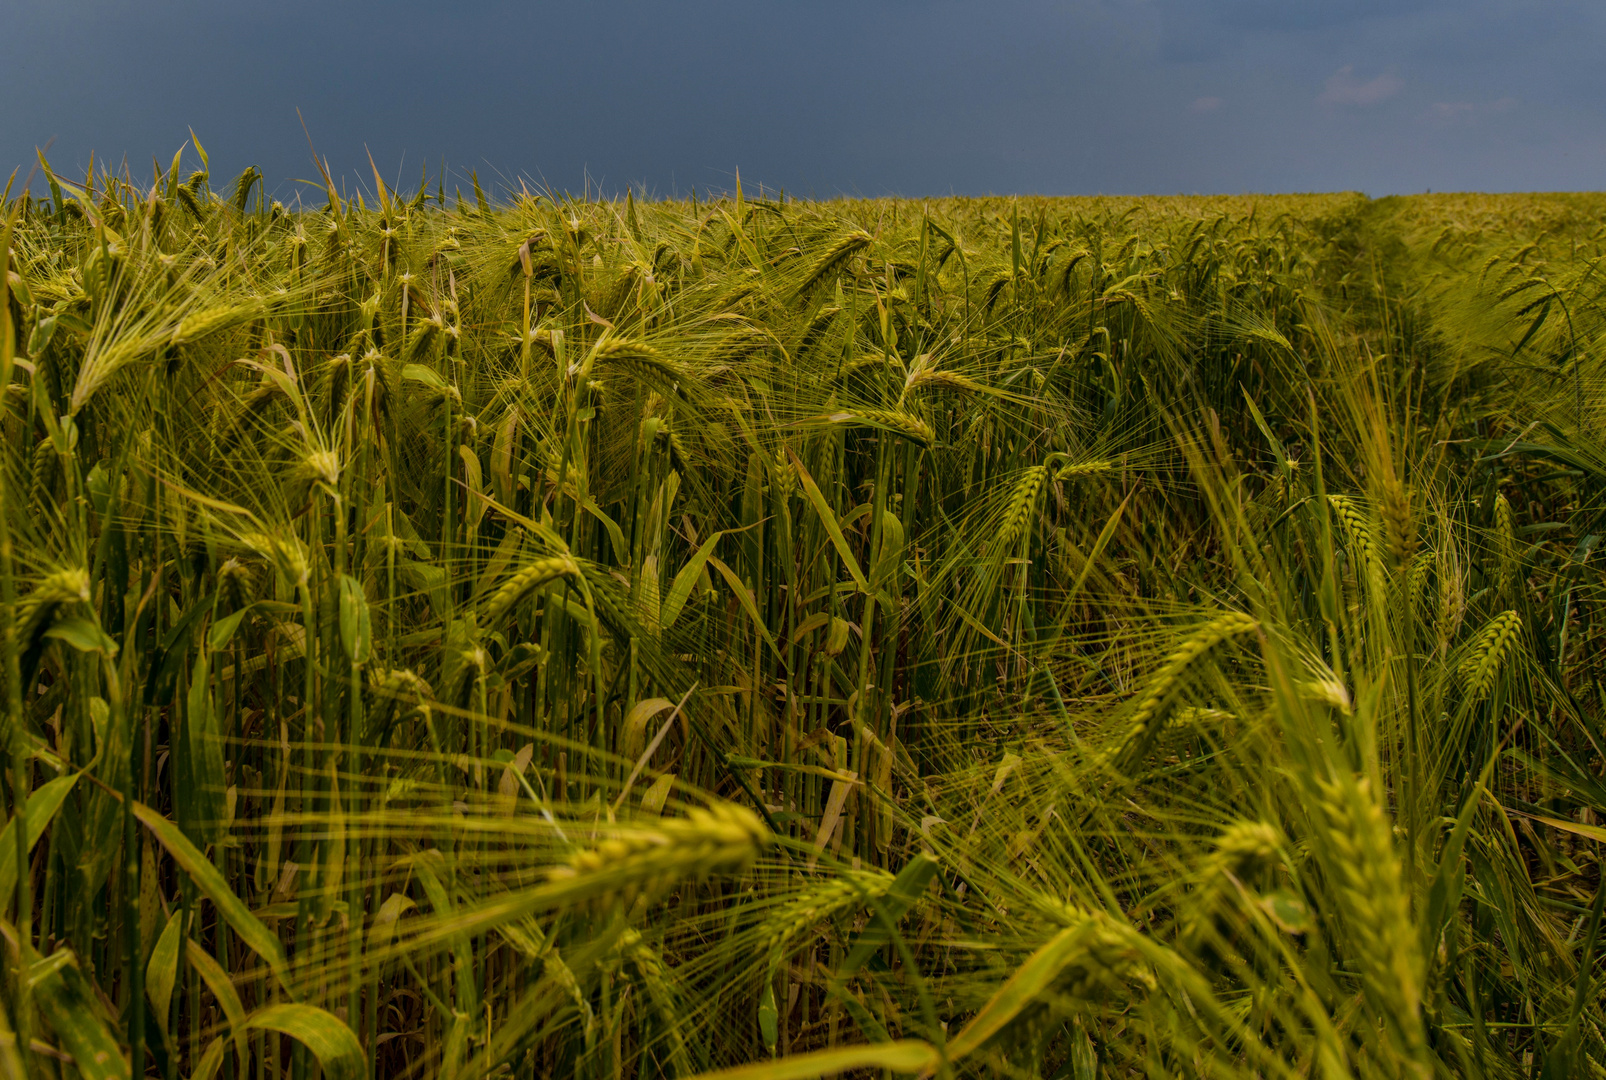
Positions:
(1468, 112)
(1343, 88)
(1204, 105)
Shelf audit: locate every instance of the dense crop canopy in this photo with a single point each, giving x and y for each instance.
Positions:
(1039, 637)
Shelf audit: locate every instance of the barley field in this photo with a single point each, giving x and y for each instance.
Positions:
(451, 635)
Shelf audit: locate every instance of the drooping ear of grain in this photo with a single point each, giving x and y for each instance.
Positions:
(833, 259)
(1487, 651)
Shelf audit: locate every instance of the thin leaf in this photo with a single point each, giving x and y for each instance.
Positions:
(1019, 991)
(680, 589)
(67, 1001)
(745, 596)
(217, 980)
(210, 882)
(42, 806)
(85, 635)
(330, 1041)
(356, 631)
(161, 973)
(811, 491)
(905, 891)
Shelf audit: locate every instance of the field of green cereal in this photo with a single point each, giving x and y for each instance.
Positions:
(462, 636)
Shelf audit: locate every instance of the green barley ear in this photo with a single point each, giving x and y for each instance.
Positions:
(1364, 552)
(394, 696)
(1486, 652)
(910, 427)
(315, 468)
(212, 319)
(831, 263)
(1505, 543)
(641, 360)
(816, 327)
(1199, 717)
(1452, 603)
(288, 555)
(523, 582)
(423, 337)
(55, 596)
(1095, 467)
(653, 976)
(1022, 505)
(1245, 848)
(243, 185)
(1093, 959)
(191, 192)
(722, 838)
(783, 477)
(235, 587)
(40, 608)
(814, 906)
(611, 300)
(1365, 872)
(1244, 851)
(1357, 530)
(1153, 706)
(1399, 527)
(101, 266)
(45, 468)
(942, 380)
(1422, 572)
(102, 363)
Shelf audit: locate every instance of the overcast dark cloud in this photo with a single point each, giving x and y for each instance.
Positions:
(830, 96)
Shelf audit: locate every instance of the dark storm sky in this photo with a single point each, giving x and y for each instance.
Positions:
(826, 97)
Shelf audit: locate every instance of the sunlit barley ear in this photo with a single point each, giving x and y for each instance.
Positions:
(1243, 852)
(832, 261)
(523, 582)
(645, 861)
(1399, 527)
(813, 906)
(1357, 533)
(1505, 544)
(1366, 874)
(1486, 652)
(235, 585)
(210, 320)
(1022, 502)
(910, 427)
(48, 598)
(1156, 698)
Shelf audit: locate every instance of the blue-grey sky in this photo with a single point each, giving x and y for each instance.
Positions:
(827, 97)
